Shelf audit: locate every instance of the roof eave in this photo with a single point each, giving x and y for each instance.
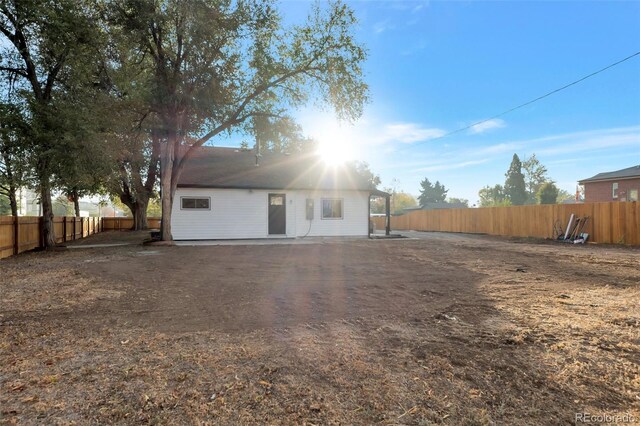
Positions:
(592, 180)
(271, 188)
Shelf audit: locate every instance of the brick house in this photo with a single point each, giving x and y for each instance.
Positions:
(620, 185)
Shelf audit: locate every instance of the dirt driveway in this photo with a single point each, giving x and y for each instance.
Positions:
(442, 328)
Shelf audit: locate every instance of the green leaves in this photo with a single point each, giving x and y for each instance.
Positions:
(432, 193)
(514, 186)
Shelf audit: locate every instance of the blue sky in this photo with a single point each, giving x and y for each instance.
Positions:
(434, 67)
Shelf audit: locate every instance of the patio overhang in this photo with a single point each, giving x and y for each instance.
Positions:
(387, 207)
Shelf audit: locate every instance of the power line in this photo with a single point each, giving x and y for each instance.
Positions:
(462, 129)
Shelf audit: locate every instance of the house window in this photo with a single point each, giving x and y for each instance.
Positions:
(276, 200)
(332, 208)
(614, 190)
(633, 195)
(193, 203)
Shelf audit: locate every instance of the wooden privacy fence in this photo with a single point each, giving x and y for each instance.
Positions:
(19, 234)
(611, 222)
(126, 223)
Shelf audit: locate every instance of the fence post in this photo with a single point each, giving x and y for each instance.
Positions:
(64, 229)
(16, 235)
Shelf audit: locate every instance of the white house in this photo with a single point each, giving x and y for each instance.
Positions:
(227, 193)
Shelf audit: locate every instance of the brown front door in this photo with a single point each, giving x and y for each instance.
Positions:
(277, 214)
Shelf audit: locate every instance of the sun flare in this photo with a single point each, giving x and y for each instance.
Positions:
(333, 153)
(334, 148)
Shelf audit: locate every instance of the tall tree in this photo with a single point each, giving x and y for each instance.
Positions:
(535, 174)
(84, 165)
(514, 186)
(219, 66)
(41, 39)
(493, 196)
(548, 193)
(431, 193)
(133, 130)
(14, 166)
(135, 176)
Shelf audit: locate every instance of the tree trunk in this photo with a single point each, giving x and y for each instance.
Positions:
(166, 168)
(48, 232)
(138, 207)
(13, 201)
(76, 203)
(140, 215)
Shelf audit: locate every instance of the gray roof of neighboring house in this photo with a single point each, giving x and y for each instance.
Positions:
(628, 173)
(217, 167)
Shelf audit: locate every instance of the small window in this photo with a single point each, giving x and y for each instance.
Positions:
(633, 195)
(614, 190)
(332, 208)
(276, 200)
(192, 203)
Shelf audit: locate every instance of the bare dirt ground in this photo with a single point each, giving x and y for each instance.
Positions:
(445, 329)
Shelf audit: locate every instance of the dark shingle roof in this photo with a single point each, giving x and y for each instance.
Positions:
(216, 167)
(629, 172)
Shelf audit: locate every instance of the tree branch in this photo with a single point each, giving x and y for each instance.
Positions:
(19, 42)
(18, 71)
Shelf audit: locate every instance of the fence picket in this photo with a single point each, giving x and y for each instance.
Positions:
(610, 222)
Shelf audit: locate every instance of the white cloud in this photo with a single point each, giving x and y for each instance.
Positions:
(451, 166)
(495, 123)
(408, 133)
(382, 26)
(569, 143)
(367, 132)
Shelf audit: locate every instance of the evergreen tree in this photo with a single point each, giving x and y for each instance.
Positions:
(514, 186)
(432, 193)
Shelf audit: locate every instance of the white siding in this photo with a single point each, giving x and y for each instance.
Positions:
(355, 215)
(243, 213)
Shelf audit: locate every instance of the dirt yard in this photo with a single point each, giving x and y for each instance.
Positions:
(444, 329)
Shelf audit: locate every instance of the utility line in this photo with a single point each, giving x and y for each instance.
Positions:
(462, 129)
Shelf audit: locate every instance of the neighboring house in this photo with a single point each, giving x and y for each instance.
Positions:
(28, 202)
(620, 185)
(227, 193)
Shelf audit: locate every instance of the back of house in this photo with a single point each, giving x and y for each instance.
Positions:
(229, 193)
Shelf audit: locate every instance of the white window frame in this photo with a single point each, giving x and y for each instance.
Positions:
(614, 190)
(341, 200)
(633, 195)
(194, 198)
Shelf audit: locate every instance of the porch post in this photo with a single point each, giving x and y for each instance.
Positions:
(388, 213)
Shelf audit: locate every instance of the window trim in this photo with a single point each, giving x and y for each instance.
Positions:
(195, 198)
(322, 200)
(614, 190)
